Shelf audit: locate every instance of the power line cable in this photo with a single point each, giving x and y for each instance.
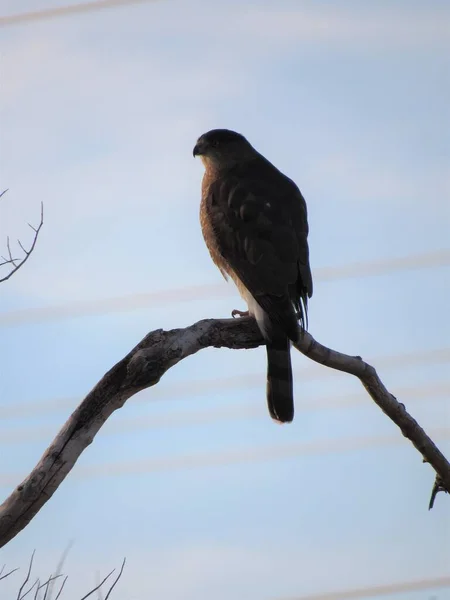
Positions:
(219, 384)
(242, 411)
(379, 590)
(79, 8)
(187, 294)
(235, 456)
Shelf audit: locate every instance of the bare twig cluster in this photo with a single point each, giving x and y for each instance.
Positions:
(44, 591)
(144, 366)
(14, 263)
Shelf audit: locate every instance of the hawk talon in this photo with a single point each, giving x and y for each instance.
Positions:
(239, 313)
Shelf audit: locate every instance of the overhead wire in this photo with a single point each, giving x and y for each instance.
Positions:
(191, 388)
(235, 456)
(378, 590)
(146, 300)
(78, 8)
(241, 411)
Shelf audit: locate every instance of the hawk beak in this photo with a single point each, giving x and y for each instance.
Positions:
(198, 149)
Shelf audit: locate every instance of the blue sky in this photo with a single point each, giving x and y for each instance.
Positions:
(99, 114)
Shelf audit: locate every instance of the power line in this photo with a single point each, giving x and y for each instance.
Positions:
(187, 294)
(436, 258)
(236, 456)
(379, 590)
(242, 411)
(244, 381)
(63, 11)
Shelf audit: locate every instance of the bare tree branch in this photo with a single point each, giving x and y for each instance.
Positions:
(36, 593)
(19, 262)
(47, 583)
(439, 486)
(61, 588)
(116, 579)
(7, 574)
(31, 589)
(37, 586)
(98, 586)
(143, 367)
(10, 260)
(59, 569)
(30, 566)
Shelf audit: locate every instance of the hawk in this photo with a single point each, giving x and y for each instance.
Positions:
(254, 222)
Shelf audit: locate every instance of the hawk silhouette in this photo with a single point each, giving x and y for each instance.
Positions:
(254, 222)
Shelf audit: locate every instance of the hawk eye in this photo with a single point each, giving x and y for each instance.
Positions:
(215, 143)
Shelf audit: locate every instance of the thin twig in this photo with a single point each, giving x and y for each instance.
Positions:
(30, 566)
(47, 583)
(7, 574)
(59, 567)
(31, 588)
(14, 261)
(36, 593)
(8, 261)
(62, 587)
(437, 487)
(98, 586)
(116, 579)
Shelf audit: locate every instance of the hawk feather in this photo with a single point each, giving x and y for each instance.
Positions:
(254, 221)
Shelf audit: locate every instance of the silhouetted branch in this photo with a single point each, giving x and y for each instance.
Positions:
(116, 579)
(59, 568)
(36, 583)
(143, 367)
(30, 566)
(19, 262)
(97, 587)
(6, 574)
(37, 586)
(439, 486)
(61, 588)
(388, 403)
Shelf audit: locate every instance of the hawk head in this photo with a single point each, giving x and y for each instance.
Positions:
(223, 148)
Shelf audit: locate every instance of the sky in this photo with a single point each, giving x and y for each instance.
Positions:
(191, 480)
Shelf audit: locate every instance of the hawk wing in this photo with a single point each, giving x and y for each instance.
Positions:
(259, 218)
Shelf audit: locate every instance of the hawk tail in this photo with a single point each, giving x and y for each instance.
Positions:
(280, 395)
